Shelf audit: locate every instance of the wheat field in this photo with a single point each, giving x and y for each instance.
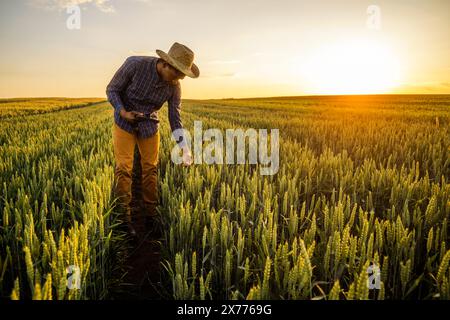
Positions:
(363, 181)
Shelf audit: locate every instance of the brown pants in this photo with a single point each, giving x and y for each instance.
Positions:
(124, 143)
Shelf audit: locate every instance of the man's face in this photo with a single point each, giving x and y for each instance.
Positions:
(170, 74)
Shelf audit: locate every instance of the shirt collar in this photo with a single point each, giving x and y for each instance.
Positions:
(159, 81)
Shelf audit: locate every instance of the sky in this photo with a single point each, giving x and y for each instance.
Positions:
(252, 48)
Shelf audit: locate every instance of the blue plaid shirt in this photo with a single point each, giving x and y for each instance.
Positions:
(137, 86)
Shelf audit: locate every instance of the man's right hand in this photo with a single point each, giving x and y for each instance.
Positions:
(187, 156)
(130, 116)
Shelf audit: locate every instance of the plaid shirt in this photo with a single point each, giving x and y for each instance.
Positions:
(137, 86)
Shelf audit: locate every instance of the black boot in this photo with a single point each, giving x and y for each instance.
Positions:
(130, 227)
(140, 227)
(132, 236)
(153, 227)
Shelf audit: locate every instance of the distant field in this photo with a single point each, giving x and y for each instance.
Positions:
(363, 181)
(26, 106)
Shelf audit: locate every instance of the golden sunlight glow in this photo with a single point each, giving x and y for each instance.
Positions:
(355, 67)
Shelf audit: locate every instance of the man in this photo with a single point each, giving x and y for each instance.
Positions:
(137, 91)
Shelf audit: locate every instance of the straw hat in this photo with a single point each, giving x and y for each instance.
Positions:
(181, 58)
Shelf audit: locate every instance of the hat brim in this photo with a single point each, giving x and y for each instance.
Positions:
(193, 72)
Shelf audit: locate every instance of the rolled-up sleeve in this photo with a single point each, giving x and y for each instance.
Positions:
(119, 83)
(174, 114)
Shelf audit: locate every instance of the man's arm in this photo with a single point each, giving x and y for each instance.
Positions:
(119, 83)
(174, 114)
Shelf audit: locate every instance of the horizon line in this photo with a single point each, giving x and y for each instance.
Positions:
(242, 98)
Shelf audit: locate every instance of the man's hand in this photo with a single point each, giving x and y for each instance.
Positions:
(131, 116)
(187, 156)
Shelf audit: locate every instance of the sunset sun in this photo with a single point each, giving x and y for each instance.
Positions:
(352, 67)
